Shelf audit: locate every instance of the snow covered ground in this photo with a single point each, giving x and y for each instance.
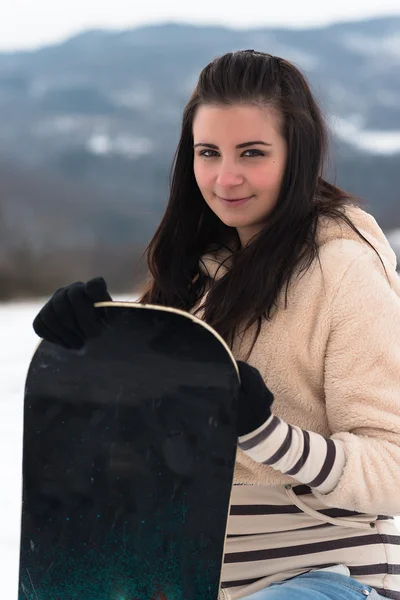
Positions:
(18, 344)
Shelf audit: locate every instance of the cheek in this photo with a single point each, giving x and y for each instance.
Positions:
(270, 177)
(202, 175)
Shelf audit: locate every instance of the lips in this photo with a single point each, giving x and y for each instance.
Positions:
(234, 201)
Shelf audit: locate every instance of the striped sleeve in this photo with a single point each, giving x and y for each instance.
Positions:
(307, 456)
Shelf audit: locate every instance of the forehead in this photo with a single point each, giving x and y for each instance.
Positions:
(233, 122)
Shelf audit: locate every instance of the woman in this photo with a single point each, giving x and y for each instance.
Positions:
(302, 284)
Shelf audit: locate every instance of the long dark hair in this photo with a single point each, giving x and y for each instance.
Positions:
(287, 244)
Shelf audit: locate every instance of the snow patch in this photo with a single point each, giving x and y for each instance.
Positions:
(375, 141)
(385, 47)
(122, 144)
(133, 98)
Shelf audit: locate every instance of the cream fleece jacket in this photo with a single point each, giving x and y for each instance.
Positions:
(332, 361)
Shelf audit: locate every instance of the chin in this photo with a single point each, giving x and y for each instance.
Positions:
(234, 221)
(230, 222)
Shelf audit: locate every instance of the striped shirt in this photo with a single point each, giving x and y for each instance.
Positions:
(277, 532)
(313, 459)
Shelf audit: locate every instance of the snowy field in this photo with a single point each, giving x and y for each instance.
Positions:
(18, 344)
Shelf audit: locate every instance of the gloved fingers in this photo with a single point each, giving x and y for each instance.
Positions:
(64, 312)
(47, 322)
(44, 332)
(83, 313)
(96, 290)
(249, 376)
(69, 317)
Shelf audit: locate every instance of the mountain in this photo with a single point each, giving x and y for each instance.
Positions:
(91, 125)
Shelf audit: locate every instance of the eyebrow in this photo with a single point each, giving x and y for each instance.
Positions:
(243, 145)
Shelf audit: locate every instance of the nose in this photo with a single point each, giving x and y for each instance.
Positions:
(229, 176)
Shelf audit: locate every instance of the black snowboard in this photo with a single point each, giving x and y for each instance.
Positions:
(128, 460)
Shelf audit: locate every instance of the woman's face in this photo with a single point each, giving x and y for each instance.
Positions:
(239, 161)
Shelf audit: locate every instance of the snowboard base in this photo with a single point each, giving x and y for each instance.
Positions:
(129, 453)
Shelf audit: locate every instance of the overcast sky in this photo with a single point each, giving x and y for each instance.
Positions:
(32, 23)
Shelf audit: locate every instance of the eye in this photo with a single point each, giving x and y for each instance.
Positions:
(206, 153)
(247, 153)
(254, 153)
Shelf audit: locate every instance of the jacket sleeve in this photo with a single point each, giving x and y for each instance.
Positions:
(305, 455)
(362, 386)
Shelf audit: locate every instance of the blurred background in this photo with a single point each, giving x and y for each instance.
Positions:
(91, 96)
(90, 105)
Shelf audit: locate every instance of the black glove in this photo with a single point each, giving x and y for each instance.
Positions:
(69, 317)
(255, 399)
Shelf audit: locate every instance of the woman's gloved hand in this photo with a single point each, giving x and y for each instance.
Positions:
(69, 317)
(255, 399)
